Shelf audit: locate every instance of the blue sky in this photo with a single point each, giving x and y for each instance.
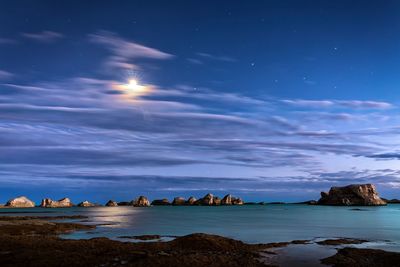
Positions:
(268, 100)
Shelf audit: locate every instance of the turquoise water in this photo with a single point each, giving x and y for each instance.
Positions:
(253, 224)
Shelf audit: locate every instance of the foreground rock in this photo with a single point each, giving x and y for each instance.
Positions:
(111, 203)
(352, 195)
(141, 201)
(87, 204)
(62, 203)
(20, 202)
(341, 241)
(160, 202)
(355, 257)
(42, 247)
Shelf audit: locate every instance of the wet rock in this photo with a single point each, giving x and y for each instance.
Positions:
(62, 203)
(20, 202)
(352, 195)
(362, 257)
(179, 201)
(111, 203)
(341, 241)
(160, 202)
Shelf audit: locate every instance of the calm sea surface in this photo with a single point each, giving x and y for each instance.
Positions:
(253, 224)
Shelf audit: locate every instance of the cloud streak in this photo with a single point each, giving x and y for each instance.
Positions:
(44, 36)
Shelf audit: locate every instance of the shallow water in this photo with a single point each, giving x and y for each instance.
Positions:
(252, 224)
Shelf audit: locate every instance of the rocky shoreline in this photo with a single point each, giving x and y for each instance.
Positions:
(34, 241)
(350, 195)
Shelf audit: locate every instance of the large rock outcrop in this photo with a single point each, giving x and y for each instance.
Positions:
(111, 203)
(20, 202)
(141, 201)
(62, 203)
(160, 202)
(352, 195)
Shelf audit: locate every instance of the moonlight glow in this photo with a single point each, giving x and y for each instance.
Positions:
(132, 88)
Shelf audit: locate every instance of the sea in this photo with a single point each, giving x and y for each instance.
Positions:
(248, 223)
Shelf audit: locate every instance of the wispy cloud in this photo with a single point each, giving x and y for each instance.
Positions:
(356, 104)
(44, 36)
(124, 50)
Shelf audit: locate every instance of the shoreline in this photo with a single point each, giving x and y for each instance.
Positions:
(36, 241)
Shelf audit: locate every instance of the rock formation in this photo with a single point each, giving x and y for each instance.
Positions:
(111, 203)
(227, 200)
(20, 202)
(230, 200)
(237, 201)
(141, 201)
(217, 201)
(62, 203)
(191, 201)
(86, 204)
(160, 202)
(352, 195)
(207, 200)
(179, 201)
(124, 203)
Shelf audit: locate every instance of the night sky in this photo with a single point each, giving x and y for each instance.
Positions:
(268, 100)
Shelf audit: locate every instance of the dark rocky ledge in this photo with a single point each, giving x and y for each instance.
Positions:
(33, 241)
(356, 257)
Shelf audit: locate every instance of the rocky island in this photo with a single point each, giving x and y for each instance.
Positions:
(352, 195)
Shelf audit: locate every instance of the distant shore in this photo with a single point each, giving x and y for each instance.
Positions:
(350, 195)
